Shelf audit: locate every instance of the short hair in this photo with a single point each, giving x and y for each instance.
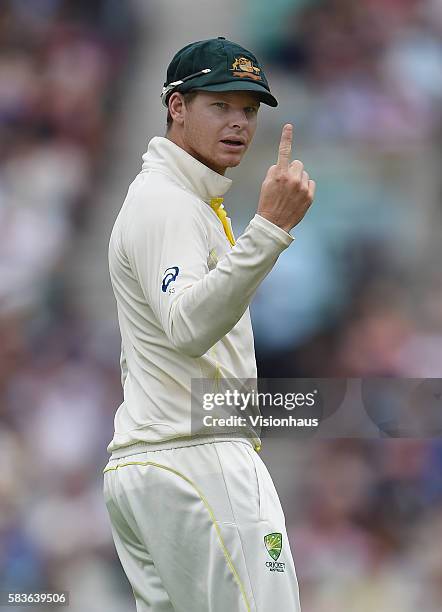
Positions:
(188, 99)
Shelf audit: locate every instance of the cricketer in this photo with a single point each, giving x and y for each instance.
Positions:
(197, 523)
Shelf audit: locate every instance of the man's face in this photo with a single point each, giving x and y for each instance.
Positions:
(213, 118)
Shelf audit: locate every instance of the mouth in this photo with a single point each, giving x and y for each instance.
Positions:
(233, 145)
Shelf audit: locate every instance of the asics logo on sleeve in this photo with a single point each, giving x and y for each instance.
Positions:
(169, 275)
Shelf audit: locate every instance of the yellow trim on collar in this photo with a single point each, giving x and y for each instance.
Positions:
(216, 204)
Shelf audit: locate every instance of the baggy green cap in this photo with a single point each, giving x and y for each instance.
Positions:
(216, 64)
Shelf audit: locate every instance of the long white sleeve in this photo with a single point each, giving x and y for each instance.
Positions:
(199, 307)
(209, 309)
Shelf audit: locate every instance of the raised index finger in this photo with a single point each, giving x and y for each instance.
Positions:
(285, 146)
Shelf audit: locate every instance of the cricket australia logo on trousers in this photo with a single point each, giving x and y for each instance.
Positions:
(273, 544)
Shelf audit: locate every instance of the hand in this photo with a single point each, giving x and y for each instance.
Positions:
(287, 191)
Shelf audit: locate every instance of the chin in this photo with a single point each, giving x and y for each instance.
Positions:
(230, 161)
(233, 164)
(220, 163)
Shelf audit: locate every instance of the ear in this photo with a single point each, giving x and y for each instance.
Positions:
(176, 107)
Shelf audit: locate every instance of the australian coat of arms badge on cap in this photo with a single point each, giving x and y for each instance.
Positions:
(243, 67)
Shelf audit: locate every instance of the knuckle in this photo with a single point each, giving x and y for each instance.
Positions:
(281, 177)
(304, 189)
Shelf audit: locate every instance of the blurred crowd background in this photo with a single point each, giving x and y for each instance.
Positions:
(358, 294)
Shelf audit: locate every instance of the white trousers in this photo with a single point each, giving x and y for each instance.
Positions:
(199, 528)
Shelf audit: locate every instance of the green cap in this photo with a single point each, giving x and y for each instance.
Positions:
(216, 64)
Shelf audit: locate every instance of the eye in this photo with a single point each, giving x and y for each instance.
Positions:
(221, 104)
(251, 109)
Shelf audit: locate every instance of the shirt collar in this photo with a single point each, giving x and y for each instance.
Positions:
(164, 155)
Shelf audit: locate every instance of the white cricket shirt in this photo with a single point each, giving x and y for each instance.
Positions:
(182, 292)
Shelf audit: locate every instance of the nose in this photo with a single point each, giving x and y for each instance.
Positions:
(238, 119)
